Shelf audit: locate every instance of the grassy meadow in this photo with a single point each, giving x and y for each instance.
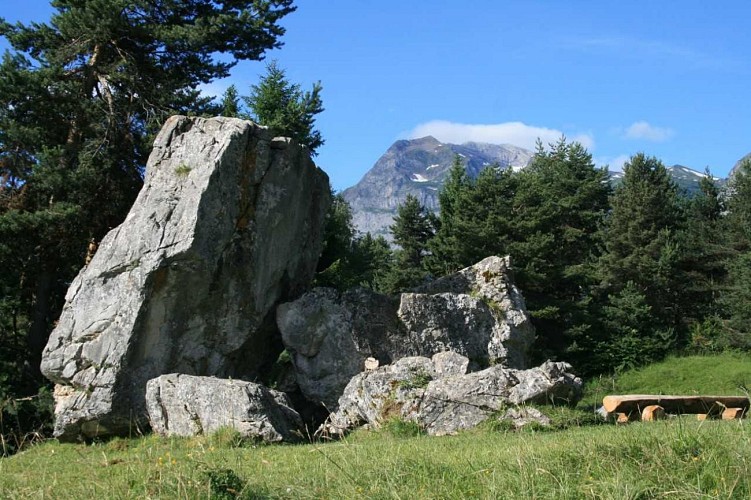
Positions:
(678, 458)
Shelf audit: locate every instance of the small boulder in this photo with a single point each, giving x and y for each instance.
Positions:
(550, 383)
(371, 364)
(387, 392)
(461, 402)
(446, 401)
(524, 415)
(449, 363)
(186, 405)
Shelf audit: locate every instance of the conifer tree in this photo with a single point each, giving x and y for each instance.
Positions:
(475, 219)
(231, 102)
(706, 251)
(736, 299)
(348, 259)
(445, 255)
(560, 202)
(413, 228)
(642, 251)
(285, 108)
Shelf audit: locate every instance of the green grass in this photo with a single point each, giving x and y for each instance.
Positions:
(683, 459)
(678, 458)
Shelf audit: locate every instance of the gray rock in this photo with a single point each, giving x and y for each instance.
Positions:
(549, 383)
(477, 313)
(459, 322)
(330, 335)
(490, 282)
(185, 405)
(523, 415)
(228, 224)
(443, 403)
(388, 391)
(449, 363)
(461, 402)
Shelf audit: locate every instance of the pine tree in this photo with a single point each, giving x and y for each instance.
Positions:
(413, 228)
(231, 102)
(370, 261)
(475, 218)
(81, 98)
(285, 108)
(348, 259)
(445, 255)
(560, 202)
(642, 251)
(706, 251)
(338, 233)
(736, 299)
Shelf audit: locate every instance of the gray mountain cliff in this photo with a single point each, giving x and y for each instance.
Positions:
(419, 167)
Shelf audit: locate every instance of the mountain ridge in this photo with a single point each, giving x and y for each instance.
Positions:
(420, 166)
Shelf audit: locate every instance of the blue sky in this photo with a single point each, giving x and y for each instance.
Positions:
(671, 79)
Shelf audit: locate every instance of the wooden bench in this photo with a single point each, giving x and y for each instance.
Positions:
(648, 407)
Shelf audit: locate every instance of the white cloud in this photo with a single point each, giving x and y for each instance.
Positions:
(643, 130)
(514, 133)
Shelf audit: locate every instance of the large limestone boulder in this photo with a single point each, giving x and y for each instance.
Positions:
(227, 225)
(477, 313)
(185, 405)
(442, 402)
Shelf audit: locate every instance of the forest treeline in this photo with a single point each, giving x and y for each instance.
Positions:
(613, 278)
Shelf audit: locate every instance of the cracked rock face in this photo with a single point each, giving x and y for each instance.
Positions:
(185, 405)
(227, 224)
(443, 402)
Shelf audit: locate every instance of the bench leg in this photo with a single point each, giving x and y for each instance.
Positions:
(732, 413)
(652, 413)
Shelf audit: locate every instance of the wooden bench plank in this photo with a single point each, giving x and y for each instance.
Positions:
(673, 404)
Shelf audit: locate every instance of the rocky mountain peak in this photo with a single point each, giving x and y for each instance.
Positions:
(738, 164)
(419, 167)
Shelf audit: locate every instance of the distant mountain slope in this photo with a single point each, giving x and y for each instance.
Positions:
(688, 179)
(420, 166)
(738, 165)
